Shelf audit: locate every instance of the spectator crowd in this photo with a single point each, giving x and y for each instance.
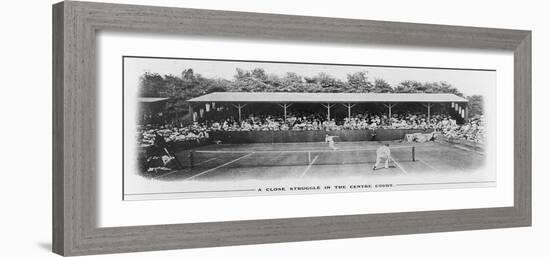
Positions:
(172, 133)
(472, 130)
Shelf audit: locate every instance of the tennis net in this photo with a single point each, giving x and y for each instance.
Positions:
(229, 158)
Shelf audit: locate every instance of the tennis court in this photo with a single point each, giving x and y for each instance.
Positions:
(317, 160)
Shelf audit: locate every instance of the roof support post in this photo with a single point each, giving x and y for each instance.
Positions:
(429, 106)
(240, 107)
(349, 106)
(389, 109)
(463, 112)
(328, 106)
(285, 107)
(190, 114)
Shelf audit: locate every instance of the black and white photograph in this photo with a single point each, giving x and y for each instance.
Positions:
(215, 128)
(146, 128)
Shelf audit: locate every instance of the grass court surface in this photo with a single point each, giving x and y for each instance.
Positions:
(316, 160)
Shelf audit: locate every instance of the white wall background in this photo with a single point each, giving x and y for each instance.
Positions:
(25, 129)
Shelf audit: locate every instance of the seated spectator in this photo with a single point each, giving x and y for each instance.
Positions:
(472, 130)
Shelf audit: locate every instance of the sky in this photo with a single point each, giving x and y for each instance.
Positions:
(469, 82)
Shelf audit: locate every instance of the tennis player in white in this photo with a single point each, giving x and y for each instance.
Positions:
(382, 152)
(330, 141)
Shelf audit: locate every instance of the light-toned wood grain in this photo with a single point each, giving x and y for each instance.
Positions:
(74, 124)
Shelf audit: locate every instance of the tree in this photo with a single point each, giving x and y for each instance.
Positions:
(409, 86)
(291, 82)
(358, 82)
(449, 89)
(188, 74)
(191, 84)
(381, 86)
(329, 83)
(475, 105)
(151, 84)
(249, 81)
(275, 82)
(292, 77)
(259, 74)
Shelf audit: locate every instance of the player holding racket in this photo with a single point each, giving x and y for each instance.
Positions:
(330, 141)
(382, 152)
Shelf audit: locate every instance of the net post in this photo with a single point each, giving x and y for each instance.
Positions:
(413, 154)
(308, 158)
(191, 159)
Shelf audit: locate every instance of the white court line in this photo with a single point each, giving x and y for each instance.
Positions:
(429, 166)
(399, 166)
(309, 166)
(215, 168)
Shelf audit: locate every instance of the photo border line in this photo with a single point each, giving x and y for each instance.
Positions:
(304, 63)
(263, 61)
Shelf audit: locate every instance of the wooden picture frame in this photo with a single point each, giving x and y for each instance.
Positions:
(74, 130)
